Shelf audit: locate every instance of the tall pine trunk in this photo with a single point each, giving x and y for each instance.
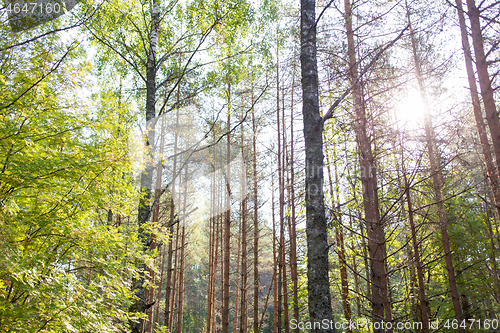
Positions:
(255, 225)
(491, 170)
(484, 79)
(227, 225)
(293, 232)
(244, 251)
(437, 182)
(280, 198)
(284, 170)
(374, 227)
(418, 262)
(275, 265)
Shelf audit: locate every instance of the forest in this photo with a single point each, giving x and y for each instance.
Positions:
(250, 166)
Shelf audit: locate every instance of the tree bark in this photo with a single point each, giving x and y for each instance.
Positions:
(244, 273)
(237, 290)
(339, 237)
(491, 169)
(212, 254)
(180, 306)
(275, 264)
(293, 232)
(255, 226)
(374, 227)
(418, 263)
(339, 233)
(227, 222)
(283, 225)
(318, 286)
(280, 203)
(138, 284)
(156, 213)
(168, 288)
(437, 182)
(484, 79)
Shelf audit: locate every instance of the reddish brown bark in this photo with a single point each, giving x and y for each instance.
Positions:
(293, 232)
(244, 273)
(255, 226)
(374, 227)
(437, 182)
(227, 226)
(491, 170)
(484, 79)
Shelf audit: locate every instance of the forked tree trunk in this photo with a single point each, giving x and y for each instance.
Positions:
(318, 286)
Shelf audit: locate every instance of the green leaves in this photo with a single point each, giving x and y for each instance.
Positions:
(64, 265)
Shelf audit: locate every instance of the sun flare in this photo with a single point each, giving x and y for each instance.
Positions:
(410, 109)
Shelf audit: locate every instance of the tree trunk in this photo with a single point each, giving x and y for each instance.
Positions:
(355, 269)
(244, 273)
(275, 264)
(375, 232)
(418, 263)
(180, 306)
(492, 256)
(156, 213)
(227, 222)
(168, 288)
(484, 79)
(339, 236)
(173, 304)
(293, 232)
(211, 247)
(217, 233)
(283, 256)
(437, 182)
(280, 198)
(255, 226)
(143, 214)
(318, 286)
(237, 291)
(491, 170)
